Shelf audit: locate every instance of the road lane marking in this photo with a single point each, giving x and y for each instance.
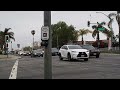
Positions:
(13, 74)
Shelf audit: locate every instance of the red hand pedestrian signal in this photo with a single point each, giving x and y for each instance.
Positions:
(7, 45)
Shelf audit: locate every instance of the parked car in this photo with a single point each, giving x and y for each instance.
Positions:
(73, 52)
(93, 51)
(54, 51)
(26, 53)
(20, 53)
(38, 52)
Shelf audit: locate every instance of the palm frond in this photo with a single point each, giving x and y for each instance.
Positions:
(112, 14)
(6, 30)
(109, 23)
(94, 26)
(94, 33)
(84, 31)
(12, 38)
(10, 33)
(107, 32)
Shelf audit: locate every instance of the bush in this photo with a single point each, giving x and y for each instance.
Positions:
(102, 44)
(0, 52)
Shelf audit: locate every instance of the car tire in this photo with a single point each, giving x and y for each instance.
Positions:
(97, 56)
(69, 57)
(86, 59)
(60, 57)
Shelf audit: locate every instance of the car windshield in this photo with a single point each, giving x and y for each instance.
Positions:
(54, 50)
(88, 47)
(74, 47)
(39, 50)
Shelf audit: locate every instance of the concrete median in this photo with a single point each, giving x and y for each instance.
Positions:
(10, 57)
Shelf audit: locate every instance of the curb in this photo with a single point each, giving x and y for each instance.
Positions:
(109, 54)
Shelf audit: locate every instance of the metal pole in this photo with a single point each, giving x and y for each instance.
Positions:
(47, 54)
(33, 41)
(11, 45)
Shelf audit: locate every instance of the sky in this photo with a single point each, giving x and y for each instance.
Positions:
(23, 22)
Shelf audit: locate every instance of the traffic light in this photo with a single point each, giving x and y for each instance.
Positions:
(6, 45)
(7, 38)
(88, 23)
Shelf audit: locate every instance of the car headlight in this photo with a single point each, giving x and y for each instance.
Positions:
(87, 51)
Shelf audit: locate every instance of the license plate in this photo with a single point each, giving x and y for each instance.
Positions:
(82, 55)
(94, 53)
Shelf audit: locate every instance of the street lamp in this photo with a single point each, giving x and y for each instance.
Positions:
(110, 27)
(58, 38)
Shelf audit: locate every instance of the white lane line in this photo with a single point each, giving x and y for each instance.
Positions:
(13, 74)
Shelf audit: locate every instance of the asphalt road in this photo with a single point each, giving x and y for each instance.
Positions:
(105, 67)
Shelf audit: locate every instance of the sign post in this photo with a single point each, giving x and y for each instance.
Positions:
(47, 35)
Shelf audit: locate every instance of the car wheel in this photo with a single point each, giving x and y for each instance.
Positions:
(69, 57)
(86, 59)
(60, 57)
(97, 56)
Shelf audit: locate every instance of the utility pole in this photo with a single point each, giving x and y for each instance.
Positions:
(11, 46)
(57, 42)
(47, 54)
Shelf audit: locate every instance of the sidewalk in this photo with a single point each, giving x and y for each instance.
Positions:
(10, 57)
(109, 54)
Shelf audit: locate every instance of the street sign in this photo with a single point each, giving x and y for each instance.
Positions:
(18, 45)
(45, 33)
(101, 29)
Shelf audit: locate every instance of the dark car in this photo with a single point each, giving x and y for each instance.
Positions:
(54, 51)
(93, 51)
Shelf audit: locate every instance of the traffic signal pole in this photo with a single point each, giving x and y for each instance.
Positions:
(47, 49)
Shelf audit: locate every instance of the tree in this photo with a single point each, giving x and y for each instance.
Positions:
(62, 34)
(83, 32)
(107, 32)
(27, 48)
(2, 37)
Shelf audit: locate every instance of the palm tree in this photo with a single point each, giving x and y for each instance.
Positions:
(118, 21)
(2, 37)
(107, 32)
(83, 32)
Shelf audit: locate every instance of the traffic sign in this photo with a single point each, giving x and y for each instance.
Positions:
(45, 33)
(101, 29)
(18, 45)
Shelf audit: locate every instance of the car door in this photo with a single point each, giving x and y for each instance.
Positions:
(65, 51)
(62, 51)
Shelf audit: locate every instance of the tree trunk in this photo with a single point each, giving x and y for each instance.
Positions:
(82, 40)
(98, 38)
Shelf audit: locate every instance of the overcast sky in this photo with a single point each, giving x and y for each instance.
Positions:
(22, 22)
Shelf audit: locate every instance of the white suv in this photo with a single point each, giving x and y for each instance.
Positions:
(73, 52)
